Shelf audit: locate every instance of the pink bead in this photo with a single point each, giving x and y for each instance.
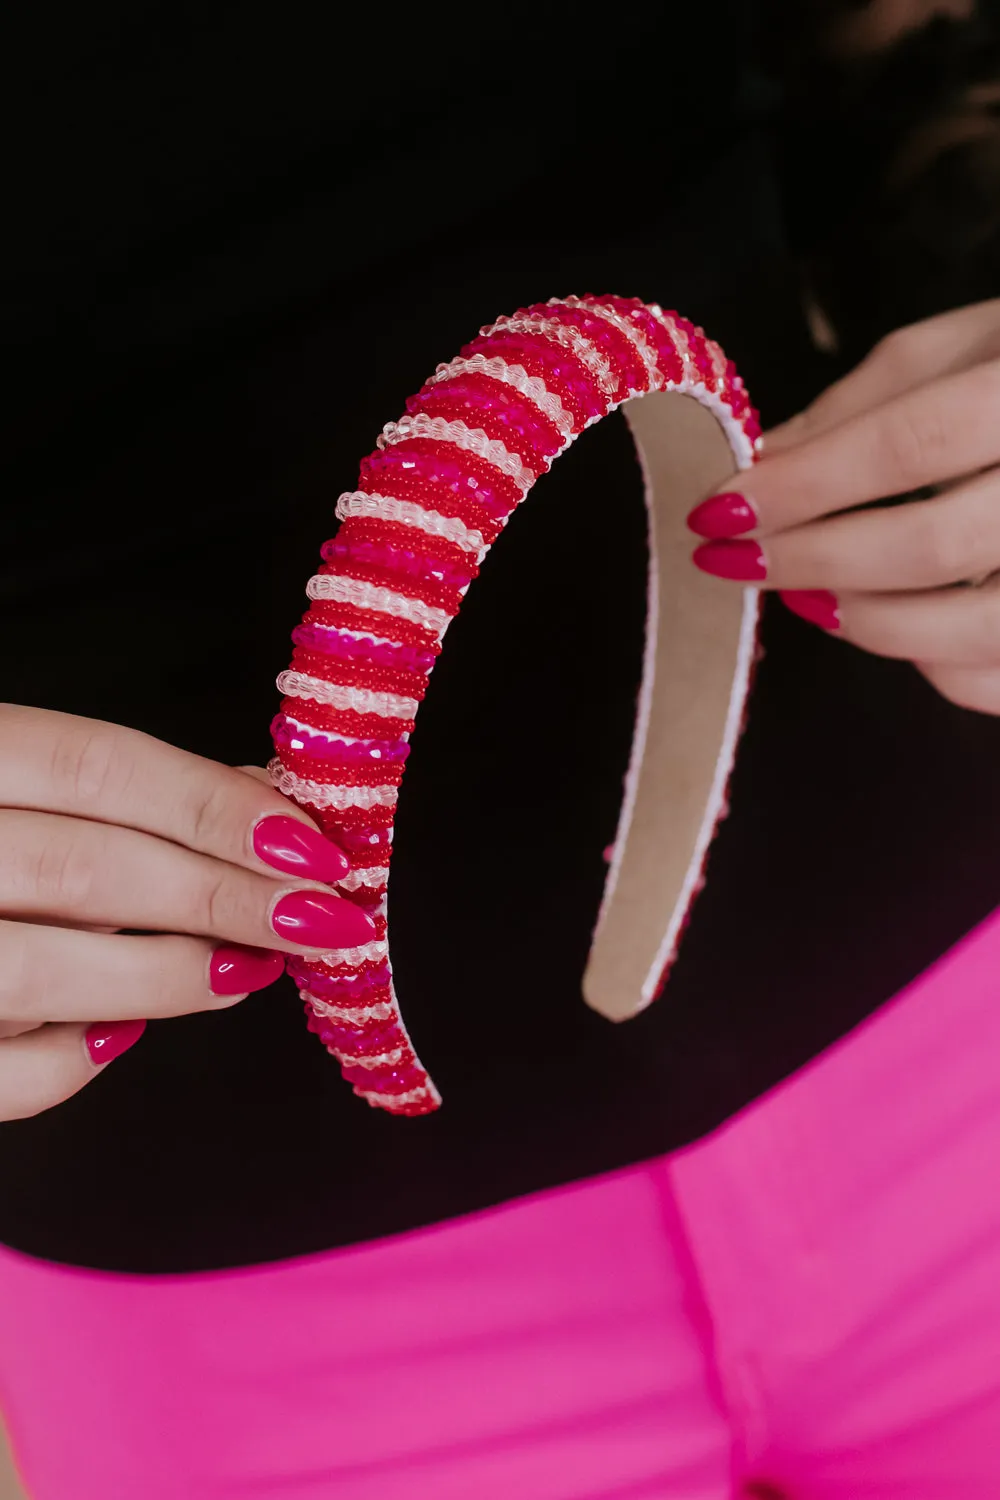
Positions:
(670, 364)
(350, 993)
(333, 642)
(562, 369)
(626, 365)
(400, 560)
(382, 1036)
(473, 394)
(288, 736)
(398, 1080)
(408, 461)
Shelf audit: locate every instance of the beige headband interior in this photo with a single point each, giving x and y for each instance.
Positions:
(691, 704)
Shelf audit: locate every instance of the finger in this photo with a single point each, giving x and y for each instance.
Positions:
(101, 875)
(55, 762)
(945, 627)
(42, 1068)
(60, 974)
(976, 688)
(906, 359)
(921, 545)
(259, 773)
(928, 436)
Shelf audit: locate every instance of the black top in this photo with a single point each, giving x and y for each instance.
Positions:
(229, 270)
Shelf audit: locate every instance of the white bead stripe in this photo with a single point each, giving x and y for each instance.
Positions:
(327, 794)
(530, 386)
(629, 330)
(395, 1101)
(365, 1060)
(357, 879)
(680, 342)
(355, 1015)
(380, 600)
(469, 439)
(569, 336)
(358, 700)
(718, 361)
(352, 958)
(409, 513)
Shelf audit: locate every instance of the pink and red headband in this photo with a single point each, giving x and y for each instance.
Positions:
(431, 500)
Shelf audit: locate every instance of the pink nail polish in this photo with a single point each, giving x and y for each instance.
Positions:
(317, 920)
(235, 970)
(107, 1040)
(296, 849)
(723, 515)
(818, 606)
(743, 561)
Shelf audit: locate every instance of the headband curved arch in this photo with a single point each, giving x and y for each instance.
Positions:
(431, 500)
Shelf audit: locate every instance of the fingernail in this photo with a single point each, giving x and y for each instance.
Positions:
(296, 849)
(723, 516)
(316, 920)
(236, 970)
(739, 560)
(107, 1040)
(818, 606)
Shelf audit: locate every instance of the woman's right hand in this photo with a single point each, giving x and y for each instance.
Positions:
(104, 828)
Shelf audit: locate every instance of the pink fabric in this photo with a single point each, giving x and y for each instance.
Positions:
(805, 1304)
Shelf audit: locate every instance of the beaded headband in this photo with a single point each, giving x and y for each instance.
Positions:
(431, 500)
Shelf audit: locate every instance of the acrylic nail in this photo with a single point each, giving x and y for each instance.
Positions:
(742, 561)
(314, 919)
(818, 606)
(107, 1040)
(723, 516)
(293, 847)
(236, 970)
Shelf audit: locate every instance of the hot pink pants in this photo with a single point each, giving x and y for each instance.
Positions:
(806, 1304)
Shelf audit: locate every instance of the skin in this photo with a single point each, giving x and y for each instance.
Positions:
(921, 411)
(880, 24)
(103, 828)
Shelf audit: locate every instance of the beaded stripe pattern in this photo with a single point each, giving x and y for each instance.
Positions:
(431, 500)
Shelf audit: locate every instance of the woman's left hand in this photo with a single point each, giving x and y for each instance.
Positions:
(919, 580)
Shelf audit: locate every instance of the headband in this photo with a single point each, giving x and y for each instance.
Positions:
(431, 500)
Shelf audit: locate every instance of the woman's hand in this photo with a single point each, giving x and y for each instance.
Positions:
(922, 412)
(104, 828)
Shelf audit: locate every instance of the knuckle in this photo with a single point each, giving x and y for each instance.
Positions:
(894, 352)
(229, 906)
(944, 545)
(89, 766)
(916, 439)
(209, 817)
(60, 877)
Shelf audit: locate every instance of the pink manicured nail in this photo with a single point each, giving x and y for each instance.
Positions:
(237, 970)
(740, 560)
(818, 606)
(107, 1040)
(316, 920)
(296, 849)
(723, 516)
